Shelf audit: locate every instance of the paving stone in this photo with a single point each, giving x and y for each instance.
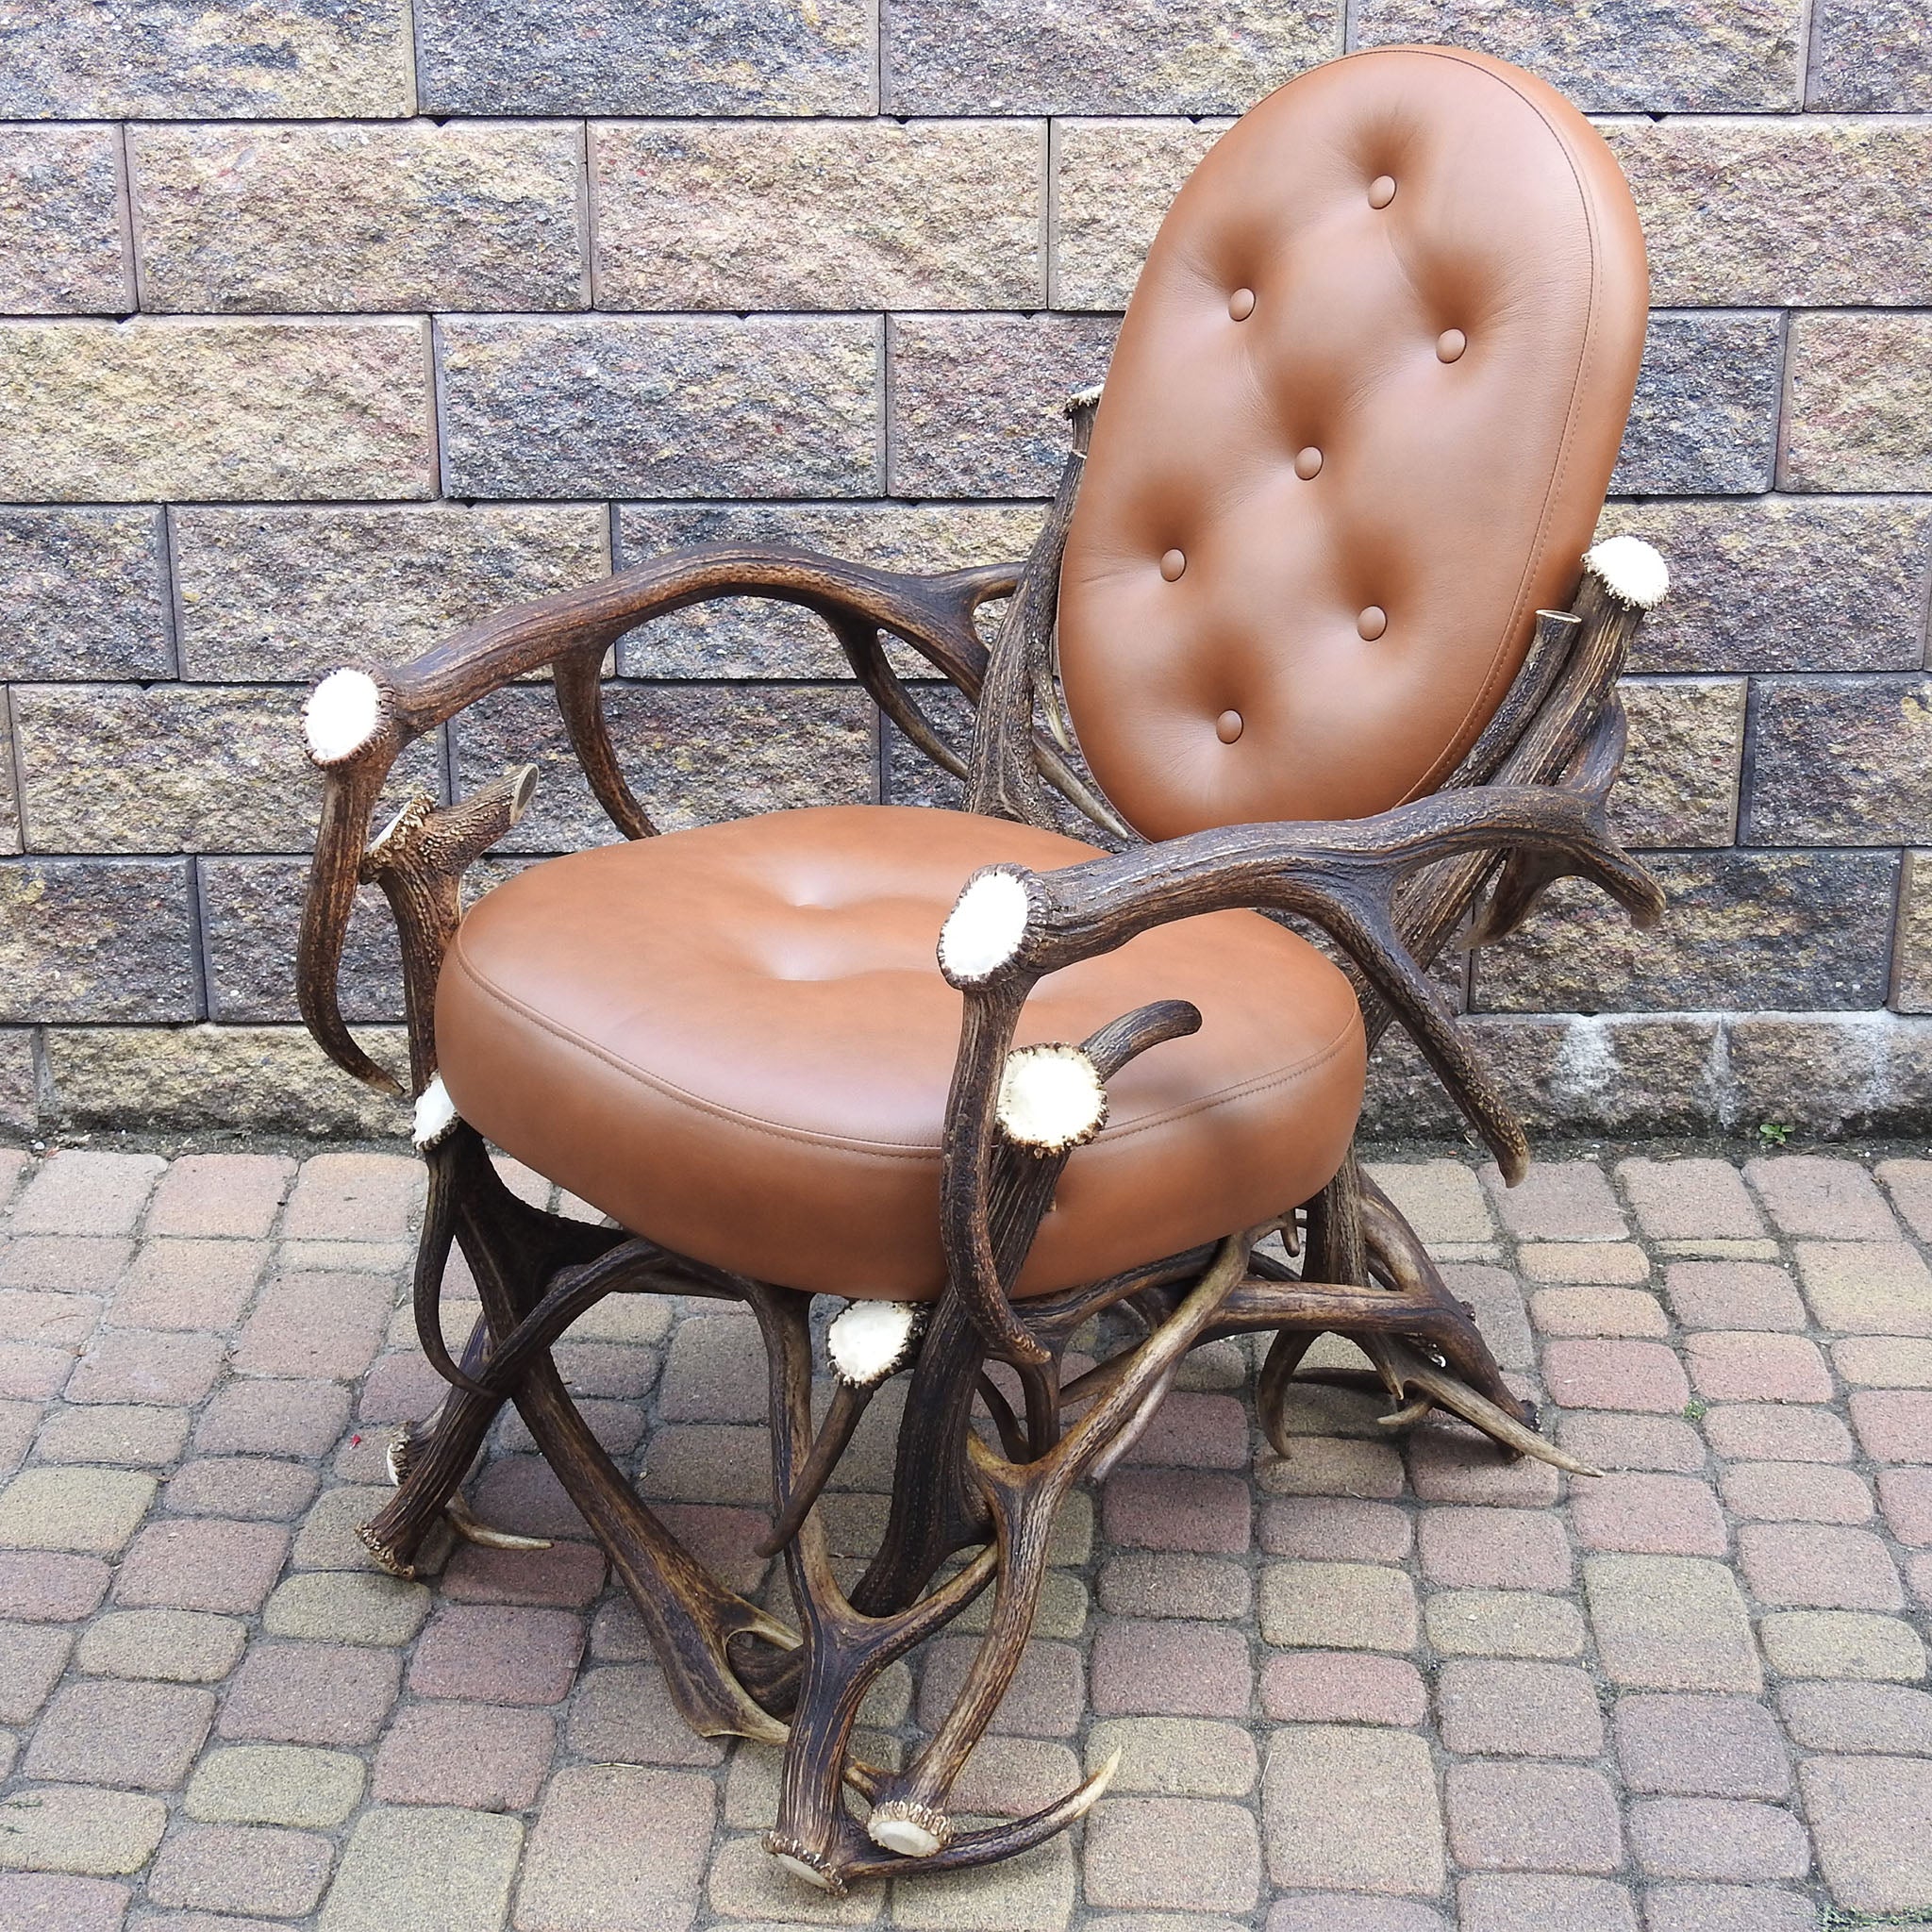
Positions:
(275, 1784)
(1047, 1698)
(1599, 1312)
(1659, 1515)
(79, 1829)
(1726, 1908)
(50, 1902)
(272, 1418)
(616, 1848)
(1842, 1644)
(566, 1576)
(1175, 1758)
(1337, 1606)
(346, 1608)
(355, 1196)
(236, 1195)
(203, 1564)
(1794, 1491)
(1888, 1361)
(1335, 1911)
(132, 1365)
(1500, 1903)
(1821, 1196)
(94, 1510)
(1611, 1441)
(251, 1487)
(1725, 1747)
(1688, 1199)
(746, 1882)
(1867, 1817)
(473, 1754)
(120, 1734)
(1455, 1465)
(1532, 1817)
(18, 1423)
(1642, 1375)
(1598, 1263)
(625, 1715)
(1858, 1717)
(424, 1871)
(188, 1284)
(1517, 1549)
(32, 1658)
(1733, 1295)
(1526, 1709)
(328, 1539)
(47, 1588)
(87, 1193)
(68, 1264)
(698, 1462)
(1670, 1624)
(1569, 1201)
(502, 1656)
(313, 1325)
(1333, 1468)
(113, 1432)
(1717, 1838)
(715, 1372)
(1893, 1424)
(1343, 1687)
(1440, 1199)
(1193, 1429)
(1351, 1808)
(1164, 1854)
(1866, 1289)
(1324, 1526)
(1162, 1583)
(310, 1694)
(177, 1646)
(1501, 1623)
(233, 1868)
(1190, 1510)
(1818, 1566)
(1766, 1432)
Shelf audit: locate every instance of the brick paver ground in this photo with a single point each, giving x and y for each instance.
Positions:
(1377, 1687)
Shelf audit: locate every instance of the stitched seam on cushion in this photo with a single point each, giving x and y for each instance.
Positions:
(1430, 780)
(896, 1149)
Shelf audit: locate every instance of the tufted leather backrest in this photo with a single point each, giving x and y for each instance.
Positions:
(1356, 431)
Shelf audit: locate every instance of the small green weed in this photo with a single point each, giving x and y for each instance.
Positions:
(1773, 1133)
(1696, 1409)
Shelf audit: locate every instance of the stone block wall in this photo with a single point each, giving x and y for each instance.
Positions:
(334, 324)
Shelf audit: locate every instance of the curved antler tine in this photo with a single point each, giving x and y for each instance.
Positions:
(849, 1403)
(578, 680)
(467, 1525)
(994, 1842)
(1451, 1393)
(1285, 1355)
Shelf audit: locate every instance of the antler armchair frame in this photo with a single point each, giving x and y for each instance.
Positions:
(994, 1435)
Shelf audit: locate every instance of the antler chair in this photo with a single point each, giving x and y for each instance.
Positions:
(1307, 589)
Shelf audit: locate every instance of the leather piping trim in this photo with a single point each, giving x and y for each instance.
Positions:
(890, 1150)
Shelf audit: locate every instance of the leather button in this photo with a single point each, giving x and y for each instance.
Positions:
(1173, 564)
(1381, 191)
(1228, 727)
(1307, 463)
(1450, 344)
(1373, 622)
(1240, 305)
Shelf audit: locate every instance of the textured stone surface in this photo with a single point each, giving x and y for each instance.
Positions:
(124, 59)
(63, 250)
(771, 405)
(1858, 414)
(1788, 212)
(83, 593)
(1912, 979)
(1350, 1807)
(975, 57)
(1841, 762)
(637, 57)
(1870, 54)
(1804, 930)
(292, 594)
(976, 400)
(1688, 58)
(175, 768)
(1706, 415)
(1112, 183)
(753, 637)
(1784, 583)
(169, 408)
(470, 215)
(930, 214)
(94, 940)
(693, 753)
(1679, 784)
(251, 908)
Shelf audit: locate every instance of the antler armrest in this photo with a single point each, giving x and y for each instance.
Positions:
(1010, 927)
(357, 721)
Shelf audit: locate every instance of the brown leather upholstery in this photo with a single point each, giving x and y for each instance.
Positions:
(1357, 429)
(737, 1041)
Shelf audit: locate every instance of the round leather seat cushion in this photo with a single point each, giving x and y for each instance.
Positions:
(736, 1040)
